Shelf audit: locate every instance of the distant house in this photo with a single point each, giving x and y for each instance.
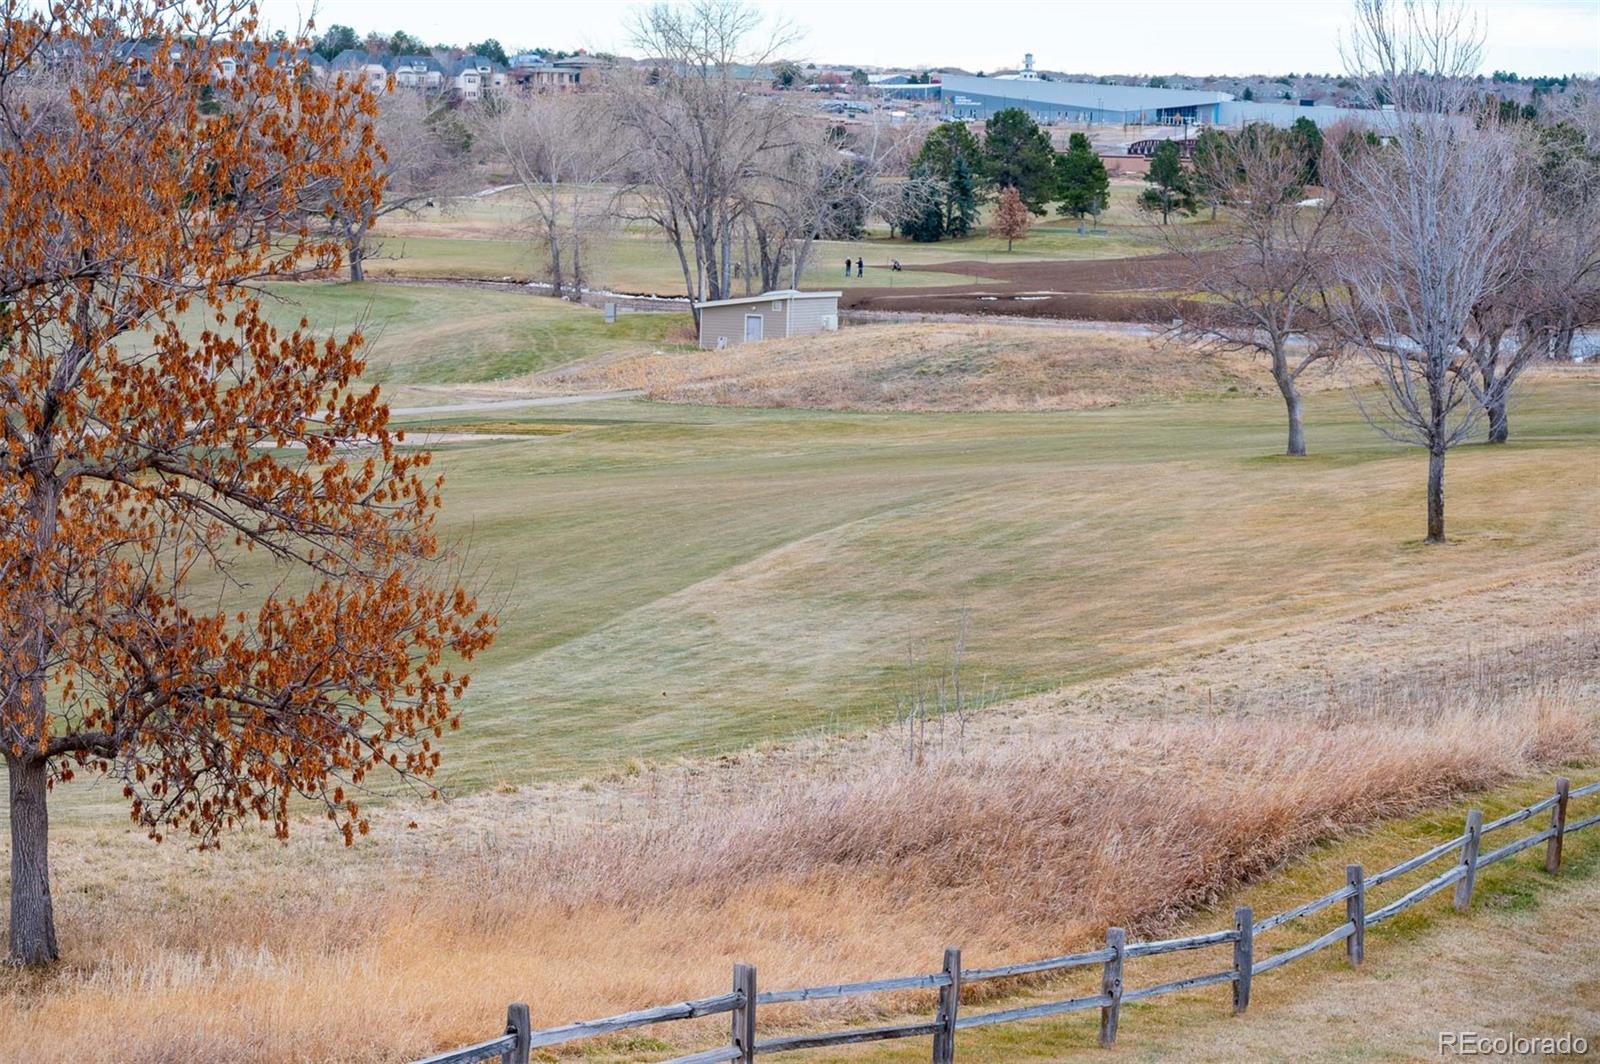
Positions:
(138, 57)
(771, 315)
(532, 72)
(476, 76)
(355, 64)
(421, 72)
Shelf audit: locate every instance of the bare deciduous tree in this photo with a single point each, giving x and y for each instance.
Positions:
(1435, 215)
(1552, 287)
(824, 185)
(697, 135)
(558, 149)
(793, 195)
(1567, 163)
(1261, 284)
(419, 150)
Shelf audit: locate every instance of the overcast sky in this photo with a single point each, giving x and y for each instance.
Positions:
(1087, 36)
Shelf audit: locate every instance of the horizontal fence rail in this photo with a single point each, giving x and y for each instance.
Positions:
(742, 1001)
(1049, 964)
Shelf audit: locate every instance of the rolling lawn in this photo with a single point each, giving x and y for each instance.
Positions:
(681, 580)
(677, 580)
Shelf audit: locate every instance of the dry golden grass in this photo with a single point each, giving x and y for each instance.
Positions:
(998, 366)
(868, 868)
(1512, 963)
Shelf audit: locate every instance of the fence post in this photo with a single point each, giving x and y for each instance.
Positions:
(1558, 824)
(1355, 912)
(1244, 957)
(944, 1039)
(519, 1024)
(744, 1017)
(1469, 858)
(1111, 984)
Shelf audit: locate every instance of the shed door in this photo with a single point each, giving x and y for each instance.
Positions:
(754, 326)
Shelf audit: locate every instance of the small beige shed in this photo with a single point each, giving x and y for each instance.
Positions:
(769, 316)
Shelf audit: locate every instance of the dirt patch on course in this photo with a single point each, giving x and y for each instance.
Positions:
(1133, 289)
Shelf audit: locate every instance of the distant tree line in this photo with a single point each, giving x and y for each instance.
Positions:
(339, 38)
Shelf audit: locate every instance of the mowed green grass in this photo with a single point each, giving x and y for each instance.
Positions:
(639, 264)
(432, 335)
(680, 580)
(483, 238)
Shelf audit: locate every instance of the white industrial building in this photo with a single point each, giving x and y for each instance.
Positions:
(1049, 102)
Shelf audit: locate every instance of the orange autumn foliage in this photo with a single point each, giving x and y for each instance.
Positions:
(1011, 217)
(142, 188)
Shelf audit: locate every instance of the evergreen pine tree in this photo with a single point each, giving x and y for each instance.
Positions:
(1307, 140)
(1018, 154)
(1170, 189)
(1081, 180)
(961, 200)
(921, 214)
(950, 156)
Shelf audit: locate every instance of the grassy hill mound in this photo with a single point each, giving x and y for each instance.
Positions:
(944, 366)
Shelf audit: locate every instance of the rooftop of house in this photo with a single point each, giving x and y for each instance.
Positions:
(416, 62)
(775, 294)
(356, 59)
(482, 63)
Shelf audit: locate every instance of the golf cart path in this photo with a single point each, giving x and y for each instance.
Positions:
(489, 406)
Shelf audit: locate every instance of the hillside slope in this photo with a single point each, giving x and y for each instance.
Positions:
(929, 367)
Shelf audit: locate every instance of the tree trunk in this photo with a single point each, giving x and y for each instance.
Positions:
(1284, 378)
(1297, 430)
(355, 242)
(33, 921)
(553, 234)
(1561, 346)
(1499, 421)
(1436, 495)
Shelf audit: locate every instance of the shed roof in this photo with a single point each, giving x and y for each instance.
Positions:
(767, 297)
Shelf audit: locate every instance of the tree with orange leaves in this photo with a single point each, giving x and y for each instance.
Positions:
(159, 431)
(1011, 217)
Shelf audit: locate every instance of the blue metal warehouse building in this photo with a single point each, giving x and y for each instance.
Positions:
(1079, 101)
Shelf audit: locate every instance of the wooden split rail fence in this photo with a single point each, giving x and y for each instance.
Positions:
(743, 999)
